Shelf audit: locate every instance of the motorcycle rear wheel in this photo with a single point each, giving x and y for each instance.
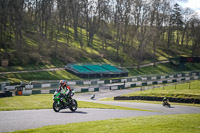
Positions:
(74, 105)
(56, 106)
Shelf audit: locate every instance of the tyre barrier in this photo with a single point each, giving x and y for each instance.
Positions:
(6, 94)
(149, 98)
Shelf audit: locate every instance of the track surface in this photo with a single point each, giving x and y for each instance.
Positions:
(28, 119)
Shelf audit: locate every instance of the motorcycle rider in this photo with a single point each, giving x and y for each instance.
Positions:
(165, 101)
(65, 88)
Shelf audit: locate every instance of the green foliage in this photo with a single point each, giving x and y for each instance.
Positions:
(184, 123)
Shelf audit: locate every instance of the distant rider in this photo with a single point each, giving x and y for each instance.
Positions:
(165, 100)
(65, 88)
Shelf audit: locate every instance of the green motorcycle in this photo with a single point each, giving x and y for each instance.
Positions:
(63, 102)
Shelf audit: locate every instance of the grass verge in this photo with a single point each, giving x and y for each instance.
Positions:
(186, 90)
(184, 123)
(44, 101)
(153, 102)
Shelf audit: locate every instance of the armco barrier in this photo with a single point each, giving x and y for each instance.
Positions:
(155, 82)
(148, 98)
(96, 89)
(133, 85)
(159, 80)
(84, 90)
(52, 91)
(37, 85)
(122, 85)
(36, 91)
(6, 94)
(54, 85)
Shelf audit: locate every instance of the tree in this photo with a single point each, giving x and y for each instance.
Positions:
(176, 20)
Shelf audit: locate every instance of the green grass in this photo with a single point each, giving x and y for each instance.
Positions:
(44, 101)
(153, 102)
(161, 69)
(54, 63)
(46, 75)
(164, 69)
(184, 123)
(177, 91)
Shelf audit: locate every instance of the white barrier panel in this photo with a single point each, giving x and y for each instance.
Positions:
(114, 87)
(196, 77)
(26, 92)
(44, 91)
(153, 78)
(71, 83)
(179, 79)
(187, 74)
(78, 90)
(134, 79)
(87, 82)
(122, 80)
(127, 85)
(91, 89)
(29, 86)
(144, 78)
(171, 76)
(100, 82)
(46, 85)
(194, 74)
(162, 77)
(169, 81)
(149, 83)
(179, 75)
(10, 87)
(187, 78)
(139, 84)
(160, 82)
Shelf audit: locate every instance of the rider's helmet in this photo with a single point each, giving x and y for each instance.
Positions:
(63, 83)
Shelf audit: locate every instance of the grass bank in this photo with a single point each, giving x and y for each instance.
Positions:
(164, 69)
(55, 63)
(44, 101)
(184, 123)
(160, 69)
(186, 90)
(46, 75)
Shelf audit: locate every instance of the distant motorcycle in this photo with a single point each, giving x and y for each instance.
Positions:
(60, 102)
(166, 103)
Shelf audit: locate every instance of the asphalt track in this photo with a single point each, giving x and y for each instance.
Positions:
(29, 119)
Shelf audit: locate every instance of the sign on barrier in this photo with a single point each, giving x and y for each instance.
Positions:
(46, 85)
(149, 83)
(29, 86)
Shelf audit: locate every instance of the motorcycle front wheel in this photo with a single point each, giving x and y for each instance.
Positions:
(56, 106)
(74, 105)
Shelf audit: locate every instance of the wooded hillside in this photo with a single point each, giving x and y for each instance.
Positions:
(128, 32)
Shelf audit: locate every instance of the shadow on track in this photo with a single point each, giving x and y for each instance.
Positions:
(75, 112)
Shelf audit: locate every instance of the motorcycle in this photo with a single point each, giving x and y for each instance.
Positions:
(61, 102)
(166, 104)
